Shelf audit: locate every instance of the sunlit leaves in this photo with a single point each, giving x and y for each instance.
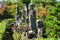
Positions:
(11, 9)
(50, 32)
(53, 10)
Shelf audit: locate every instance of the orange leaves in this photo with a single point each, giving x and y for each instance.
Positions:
(10, 9)
(38, 12)
(1, 12)
(41, 11)
(3, 9)
(44, 12)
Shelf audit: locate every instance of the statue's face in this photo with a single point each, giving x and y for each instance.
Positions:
(31, 6)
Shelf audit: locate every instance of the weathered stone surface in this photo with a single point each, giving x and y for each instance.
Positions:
(32, 22)
(24, 13)
(40, 28)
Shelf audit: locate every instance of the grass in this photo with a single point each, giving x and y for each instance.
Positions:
(2, 28)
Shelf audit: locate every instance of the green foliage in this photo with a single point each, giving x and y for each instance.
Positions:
(52, 1)
(51, 38)
(57, 5)
(2, 28)
(53, 10)
(20, 4)
(50, 32)
(52, 21)
(8, 2)
(35, 1)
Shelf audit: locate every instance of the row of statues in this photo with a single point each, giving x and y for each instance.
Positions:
(33, 29)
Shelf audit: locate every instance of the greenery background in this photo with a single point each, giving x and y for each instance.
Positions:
(51, 22)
